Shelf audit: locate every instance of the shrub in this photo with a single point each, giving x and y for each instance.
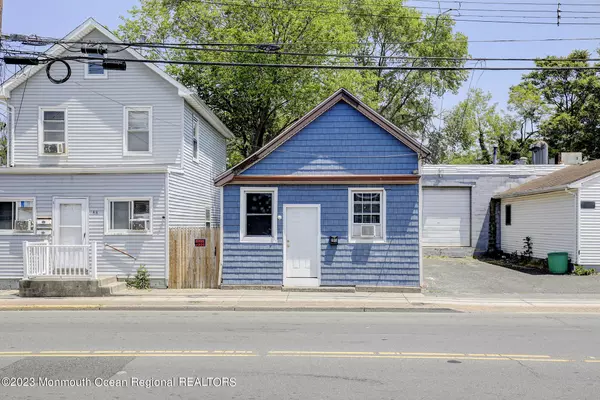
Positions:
(141, 280)
(528, 247)
(580, 271)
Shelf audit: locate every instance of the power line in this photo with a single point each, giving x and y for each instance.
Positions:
(343, 67)
(515, 3)
(48, 41)
(334, 55)
(321, 11)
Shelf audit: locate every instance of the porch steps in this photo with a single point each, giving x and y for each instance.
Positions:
(109, 285)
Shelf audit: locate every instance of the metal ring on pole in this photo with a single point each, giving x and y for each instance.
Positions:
(58, 81)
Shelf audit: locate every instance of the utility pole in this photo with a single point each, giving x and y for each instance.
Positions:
(1, 9)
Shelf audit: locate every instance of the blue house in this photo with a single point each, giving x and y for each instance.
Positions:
(332, 201)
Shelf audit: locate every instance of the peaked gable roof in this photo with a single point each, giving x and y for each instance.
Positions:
(555, 181)
(338, 96)
(87, 27)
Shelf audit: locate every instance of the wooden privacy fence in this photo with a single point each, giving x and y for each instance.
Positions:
(194, 258)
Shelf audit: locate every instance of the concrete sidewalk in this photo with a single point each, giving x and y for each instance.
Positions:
(270, 300)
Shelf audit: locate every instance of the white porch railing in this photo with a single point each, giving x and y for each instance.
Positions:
(43, 259)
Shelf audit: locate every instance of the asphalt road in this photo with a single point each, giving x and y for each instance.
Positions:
(245, 355)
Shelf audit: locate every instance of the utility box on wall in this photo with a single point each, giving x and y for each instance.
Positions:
(43, 225)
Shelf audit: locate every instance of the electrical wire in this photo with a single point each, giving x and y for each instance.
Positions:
(515, 3)
(298, 43)
(346, 67)
(357, 56)
(320, 11)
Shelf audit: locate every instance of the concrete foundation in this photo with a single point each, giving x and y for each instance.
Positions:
(70, 287)
(9, 284)
(452, 252)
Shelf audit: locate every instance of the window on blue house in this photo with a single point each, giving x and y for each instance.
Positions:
(258, 221)
(366, 215)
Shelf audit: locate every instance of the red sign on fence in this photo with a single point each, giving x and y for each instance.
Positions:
(200, 242)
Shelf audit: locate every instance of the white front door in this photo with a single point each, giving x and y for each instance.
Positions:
(70, 222)
(302, 244)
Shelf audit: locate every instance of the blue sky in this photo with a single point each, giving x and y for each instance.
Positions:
(57, 17)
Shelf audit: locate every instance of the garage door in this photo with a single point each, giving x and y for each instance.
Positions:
(446, 217)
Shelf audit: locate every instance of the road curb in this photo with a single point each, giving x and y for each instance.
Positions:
(103, 307)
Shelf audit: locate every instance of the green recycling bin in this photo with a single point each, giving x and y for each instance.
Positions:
(558, 263)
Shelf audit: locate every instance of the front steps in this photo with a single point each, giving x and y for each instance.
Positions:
(70, 287)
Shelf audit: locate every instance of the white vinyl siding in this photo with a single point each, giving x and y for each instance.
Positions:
(149, 250)
(192, 192)
(549, 219)
(446, 217)
(589, 228)
(95, 115)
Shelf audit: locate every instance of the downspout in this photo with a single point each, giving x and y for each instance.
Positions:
(420, 167)
(167, 232)
(11, 146)
(577, 216)
(220, 274)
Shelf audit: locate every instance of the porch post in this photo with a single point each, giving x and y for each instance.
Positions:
(25, 260)
(94, 260)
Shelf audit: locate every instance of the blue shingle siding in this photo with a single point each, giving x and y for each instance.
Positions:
(395, 263)
(342, 141)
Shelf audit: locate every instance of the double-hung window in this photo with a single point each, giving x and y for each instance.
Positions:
(196, 138)
(258, 215)
(128, 216)
(53, 130)
(138, 130)
(16, 216)
(366, 212)
(94, 69)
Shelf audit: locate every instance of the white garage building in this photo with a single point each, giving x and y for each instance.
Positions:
(560, 212)
(456, 204)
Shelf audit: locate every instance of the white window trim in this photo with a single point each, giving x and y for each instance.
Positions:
(41, 142)
(196, 135)
(125, 232)
(258, 239)
(87, 75)
(12, 232)
(126, 110)
(351, 191)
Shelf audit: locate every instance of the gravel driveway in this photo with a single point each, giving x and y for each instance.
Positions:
(467, 276)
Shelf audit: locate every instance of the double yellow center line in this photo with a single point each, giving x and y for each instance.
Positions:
(292, 353)
(424, 356)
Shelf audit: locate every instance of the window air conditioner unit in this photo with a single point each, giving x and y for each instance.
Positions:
(139, 225)
(24, 226)
(54, 148)
(367, 231)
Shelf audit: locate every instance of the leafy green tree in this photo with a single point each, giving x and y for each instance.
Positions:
(393, 35)
(3, 144)
(568, 102)
(473, 127)
(257, 103)
(525, 101)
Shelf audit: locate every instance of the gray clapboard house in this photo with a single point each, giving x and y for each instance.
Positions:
(109, 159)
